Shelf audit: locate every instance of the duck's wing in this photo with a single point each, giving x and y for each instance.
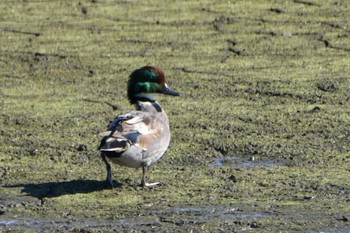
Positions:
(134, 128)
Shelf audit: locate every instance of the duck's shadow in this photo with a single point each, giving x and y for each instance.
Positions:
(56, 189)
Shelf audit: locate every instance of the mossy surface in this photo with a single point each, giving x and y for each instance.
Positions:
(260, 135)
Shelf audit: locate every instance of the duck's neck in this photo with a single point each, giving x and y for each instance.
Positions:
(141, 97)
(148, 106)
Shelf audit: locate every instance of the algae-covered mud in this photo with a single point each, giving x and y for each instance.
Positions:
(260, 135)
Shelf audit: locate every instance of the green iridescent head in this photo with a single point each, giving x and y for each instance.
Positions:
(145, 81)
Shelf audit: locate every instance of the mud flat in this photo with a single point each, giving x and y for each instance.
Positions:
(260, 136)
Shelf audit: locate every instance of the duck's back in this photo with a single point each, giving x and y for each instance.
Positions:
(137, 138)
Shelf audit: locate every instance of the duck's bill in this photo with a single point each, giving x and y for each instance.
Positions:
(168, 91)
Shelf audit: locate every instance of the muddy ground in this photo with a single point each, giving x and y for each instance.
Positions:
(261, 134)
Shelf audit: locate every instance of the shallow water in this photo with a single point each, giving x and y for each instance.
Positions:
(176, 215)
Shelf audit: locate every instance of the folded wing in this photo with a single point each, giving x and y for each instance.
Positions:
(134, 128)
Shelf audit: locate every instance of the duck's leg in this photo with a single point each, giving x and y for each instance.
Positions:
(143, 182)
(109, 180)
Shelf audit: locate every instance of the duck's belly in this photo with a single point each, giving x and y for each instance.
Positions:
(134, 157)
(127, 161)
(129, 158)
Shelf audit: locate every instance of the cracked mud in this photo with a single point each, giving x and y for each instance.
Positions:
(260, 137)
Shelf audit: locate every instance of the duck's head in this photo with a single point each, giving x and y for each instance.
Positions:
(145, 81)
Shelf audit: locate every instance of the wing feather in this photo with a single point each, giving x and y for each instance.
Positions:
(134, 128)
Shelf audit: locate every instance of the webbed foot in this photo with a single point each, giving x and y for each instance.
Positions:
(112, 184)
(149, 185)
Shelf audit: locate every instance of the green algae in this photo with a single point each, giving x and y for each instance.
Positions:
(260, 79)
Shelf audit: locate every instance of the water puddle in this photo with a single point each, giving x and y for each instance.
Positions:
(244, 162)
(175, 215)
(211, 213)
(43, 223)
(31, 223)
(241, 216)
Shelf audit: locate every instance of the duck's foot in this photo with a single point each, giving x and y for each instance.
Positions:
(112, 184)
(150, 185)
(143, 180)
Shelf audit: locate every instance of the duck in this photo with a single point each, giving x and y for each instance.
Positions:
(138, 138)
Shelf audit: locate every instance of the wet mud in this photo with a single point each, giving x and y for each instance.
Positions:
(260, 136)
